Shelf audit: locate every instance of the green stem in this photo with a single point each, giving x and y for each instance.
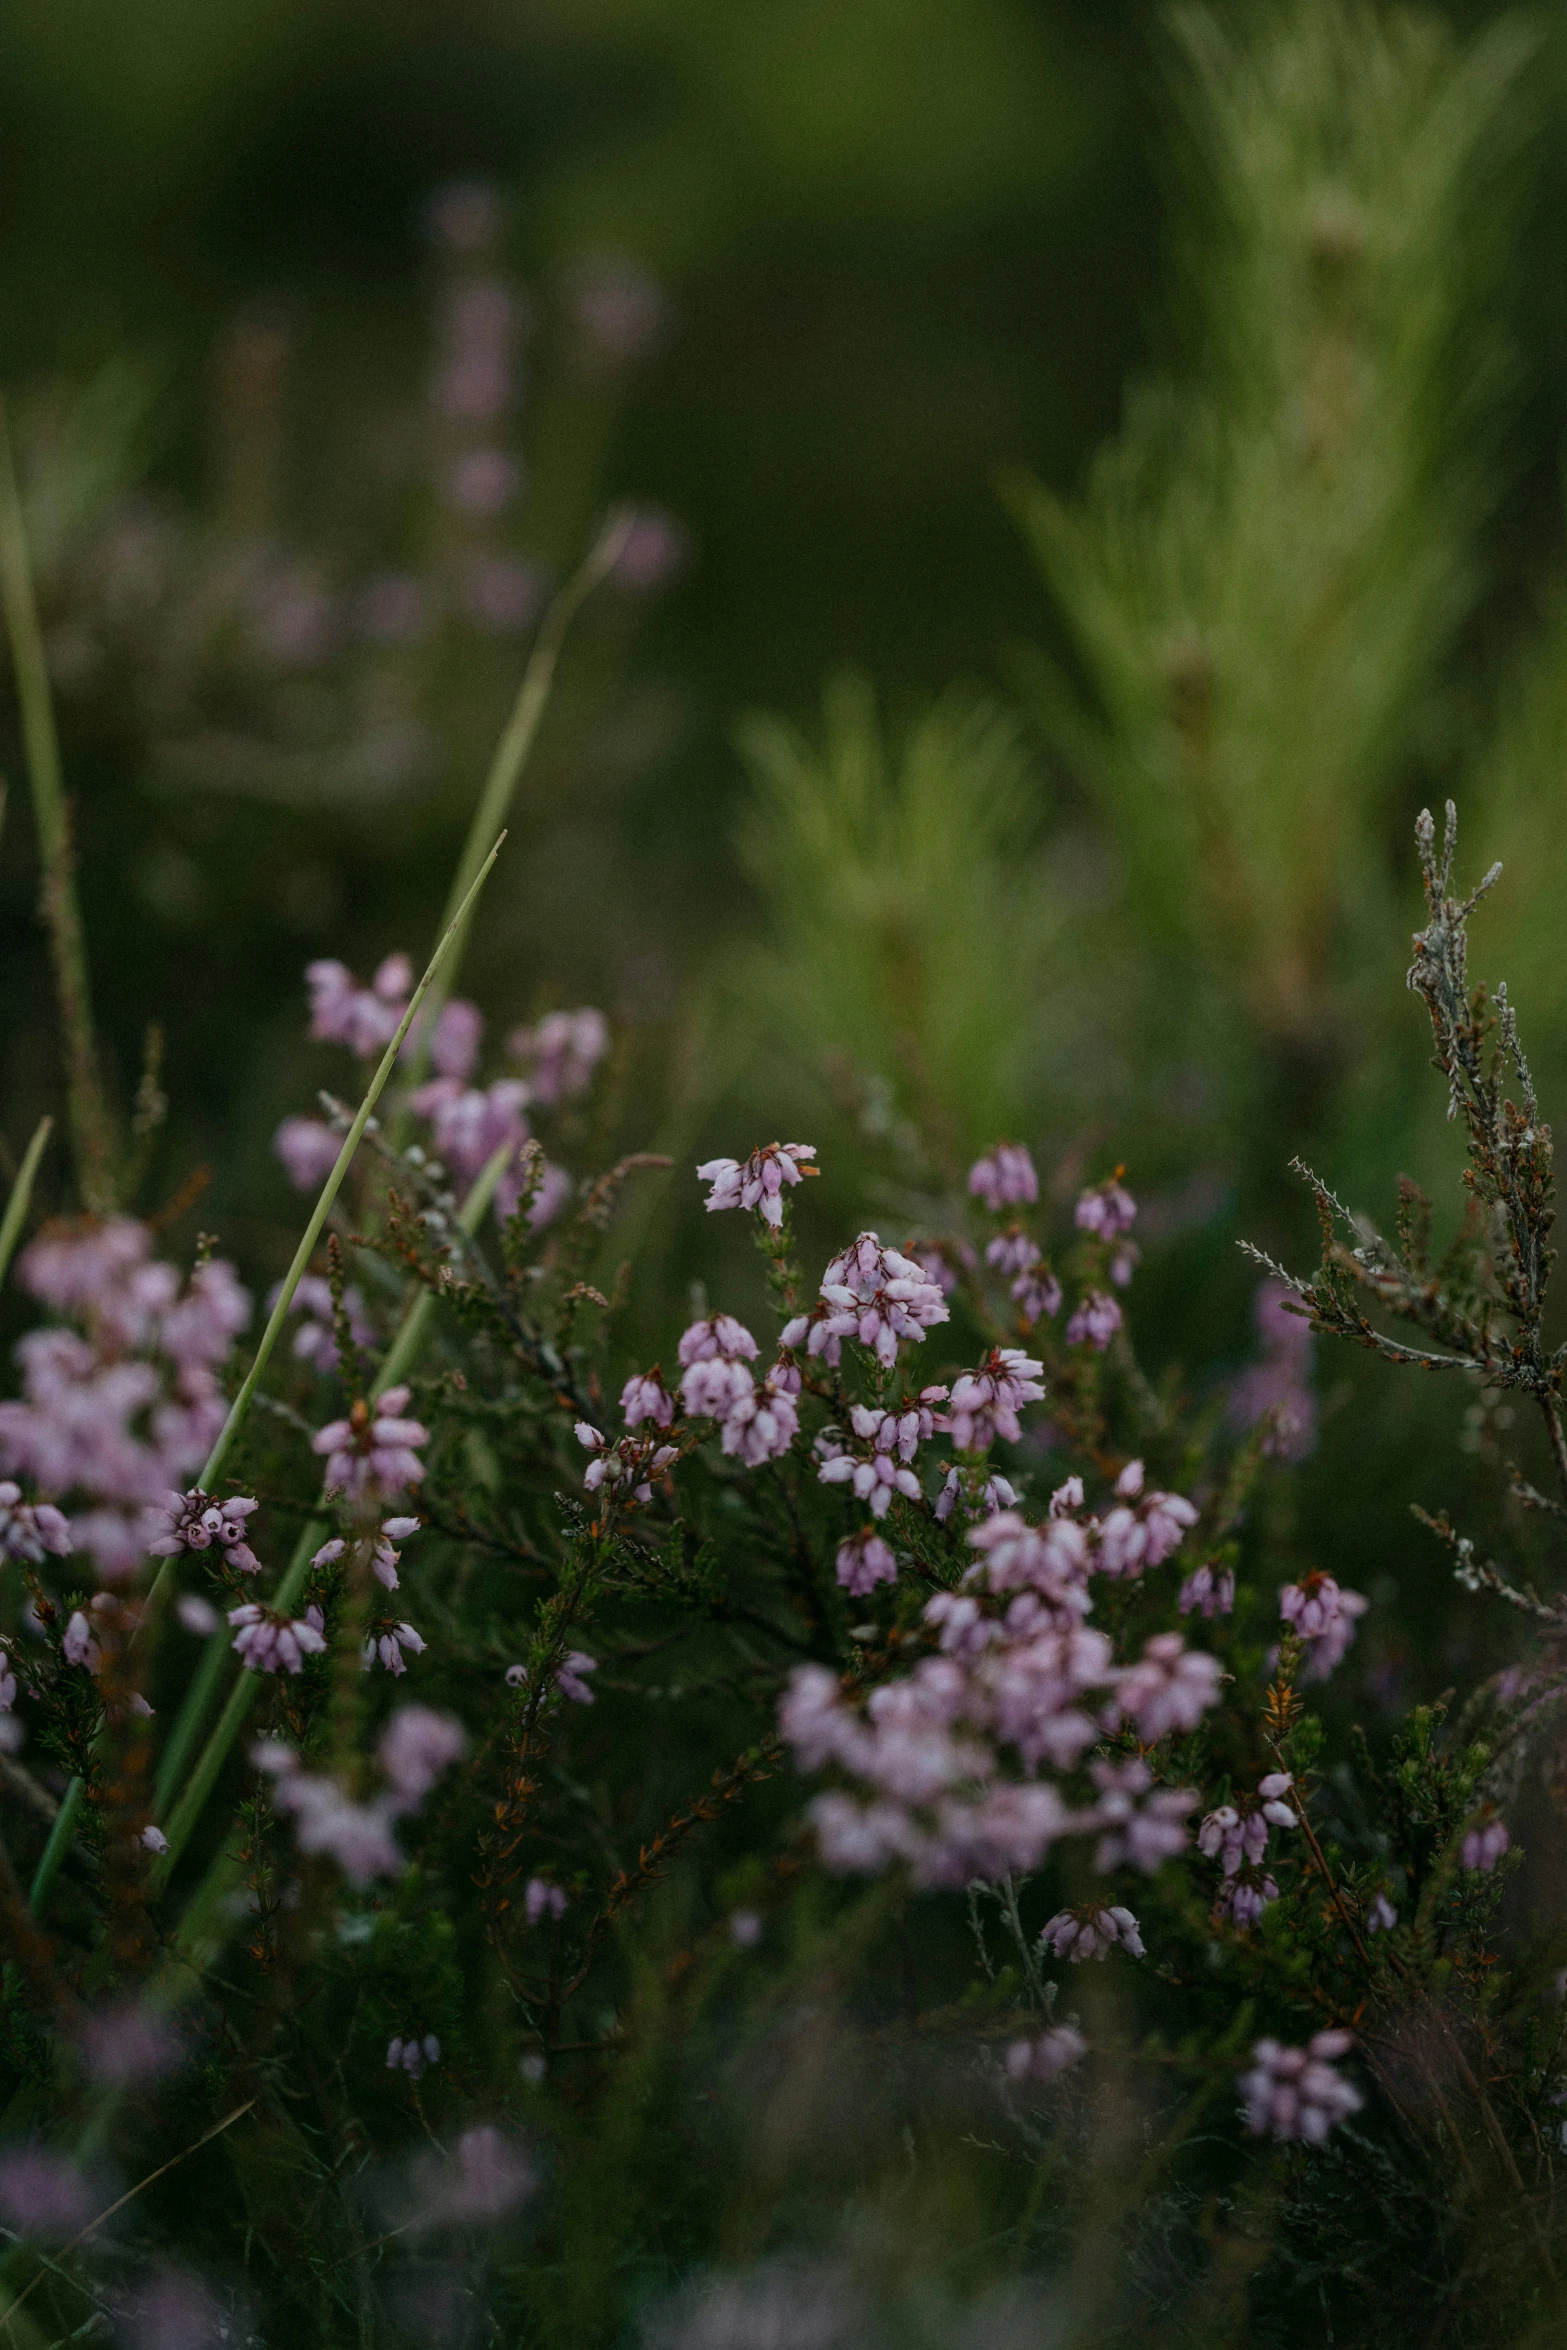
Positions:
(195, 1790)
(60, 1836)
(91, 1136)
(17, 1205)
(302, 1255)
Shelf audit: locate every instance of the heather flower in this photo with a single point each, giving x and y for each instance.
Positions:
(1046, 2056)
(1079, 1934)
(1208, 1592)
(1295, 2092)
(719, 1339)
(1169, 1689)
(1143, 1824)
(563, 1049)
(1012, 1251)
(392, 1644)
(77, 1644)
(469, 1123)
(645, 1397)
(864, 1561)
(169, 2311)
(1004, 1178)
(7, 1680)
(1037, 1294)
(372, 1451)
(315, 1340)
(1129, 1539)
(569, 1676)
(1484, 1846)
(416, 1746)
(986, 1402)
(757, 1182)
(154, 1840)
(1239, 1835)
(1245, 1897)
(994, 1494)
(30, 1530)
(1107, 1211)
(745, 1928)
(195, 1522)
(309, 1150)
(872, 1294)
(392, 609)
(934, 1262)
(412, 2054)
(358, 1836)
(198, 1615)
(878, 1466)
(652, 551)
(1381, 1916)
(1049, 1561)
(623, 1472)
(1094, 1322)
(483, 481)
(266, 1642)
(364, 1018)
(542, 1899)
(1323, 1615)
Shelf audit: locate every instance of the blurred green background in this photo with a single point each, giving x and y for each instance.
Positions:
(1143, 428)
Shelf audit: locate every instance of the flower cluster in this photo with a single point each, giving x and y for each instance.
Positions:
(124, 1404)
(1295, 2092)
(756, 1423)
(872, 1294)
(416, 1746)
(759, 1181)
(373, 1452)
(1322, 1615)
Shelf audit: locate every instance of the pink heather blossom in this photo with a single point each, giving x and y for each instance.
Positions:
(1037, 1294)
(77, 1644)
(154, 1840)
(266, 1642)
(484, 482)
(416, 1746)
(745, 1928)
(1124, 1263)
(936, 1265)
(542, 1899)
(759, 1181)
(1170, 1688)
(469, 1124)
(1130, 1539)
(864, 1561)
(309, 1150)
(459, 1031)
(563, 1051)
(1483, 1847)
(121, 1408)
(1323, 1615)
(1049, 1560)
(986, 1402)
(719, 1339)
(1245, 1897)
(169, 2311)
(623, 1472)
(1295, 2092)
(1012, 1251)
(358, 1836)
(1004, 1178)
(1107, 1211)
(1208, 1592)
(7, 1680)
(569, 1672)
(994, 1494)
(1094, 1321)
(412, 2054)
(364, 1018)
(645, 1397)
(1142, 1824)
(29, 1530)
(43, 2194)
(392, 1644)
(872, 1294)
(195, 1522)
(315, 1341)
(372, 1451)
(1381, 1916)
(1047, 2056)
(877, 1466)
(198, 1615)
(1079, 1934)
